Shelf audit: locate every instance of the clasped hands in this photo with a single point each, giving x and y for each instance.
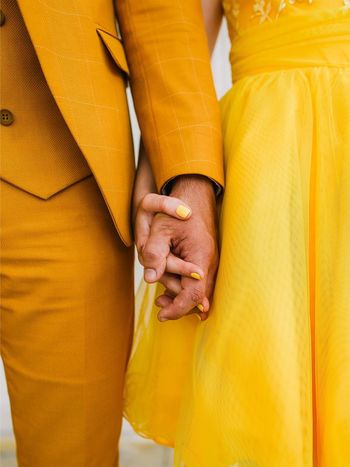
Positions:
(176, 240)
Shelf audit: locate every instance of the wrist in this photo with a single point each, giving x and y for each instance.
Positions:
(192, 185)
(198, 192)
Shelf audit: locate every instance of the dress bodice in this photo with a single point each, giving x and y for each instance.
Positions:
(242, 14)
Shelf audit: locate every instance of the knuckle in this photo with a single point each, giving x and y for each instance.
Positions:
(145, 201)
(196, 295)
(151, 256)
(169, 284)
(162, 226)
(192, 297)
(162, 204)
(177, 313)
(162, 280)
(181, 305)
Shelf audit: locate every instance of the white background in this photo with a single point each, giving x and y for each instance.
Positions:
(222, 77)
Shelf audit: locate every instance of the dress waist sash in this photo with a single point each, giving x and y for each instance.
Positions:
(307, 40)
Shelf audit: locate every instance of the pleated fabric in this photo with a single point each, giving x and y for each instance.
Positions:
(265, 381)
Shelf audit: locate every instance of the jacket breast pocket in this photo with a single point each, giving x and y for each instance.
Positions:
(115, 49)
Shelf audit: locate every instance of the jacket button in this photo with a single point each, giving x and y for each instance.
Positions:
(2, 18)
(7, 117)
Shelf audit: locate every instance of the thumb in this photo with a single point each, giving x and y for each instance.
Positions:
(174, 207)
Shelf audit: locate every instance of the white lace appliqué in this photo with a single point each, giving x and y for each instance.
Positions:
(263, 10)
(283, 4)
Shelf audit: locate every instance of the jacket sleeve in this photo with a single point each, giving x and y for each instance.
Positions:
(172, 87)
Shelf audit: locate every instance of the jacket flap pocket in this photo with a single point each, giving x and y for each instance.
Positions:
(115, 48)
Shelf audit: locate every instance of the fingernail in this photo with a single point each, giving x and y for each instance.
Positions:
(150, 275)
(200, 319)
(162, 319)
(182, 211)
(196, 276)
(200, 307)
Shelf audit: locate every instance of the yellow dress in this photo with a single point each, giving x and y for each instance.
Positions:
(265, 381)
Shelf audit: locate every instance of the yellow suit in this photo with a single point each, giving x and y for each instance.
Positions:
(66, 183)
(172, 87)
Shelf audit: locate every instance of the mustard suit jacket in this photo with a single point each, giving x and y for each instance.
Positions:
(164, 53)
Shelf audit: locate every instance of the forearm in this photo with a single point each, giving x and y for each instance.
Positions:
(213, 14)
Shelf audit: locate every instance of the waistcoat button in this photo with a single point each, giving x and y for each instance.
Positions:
(7, 117)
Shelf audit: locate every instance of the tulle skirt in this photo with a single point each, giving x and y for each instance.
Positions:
(265, 381)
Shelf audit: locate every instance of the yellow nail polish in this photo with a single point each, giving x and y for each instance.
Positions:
(196, 276)
(200, 307)
(183, 211)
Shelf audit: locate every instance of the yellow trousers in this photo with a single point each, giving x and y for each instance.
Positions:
(66, 325)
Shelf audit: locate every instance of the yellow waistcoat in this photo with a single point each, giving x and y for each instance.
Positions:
(38, 152)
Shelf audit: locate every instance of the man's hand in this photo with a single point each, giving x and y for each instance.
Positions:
(194, 241)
